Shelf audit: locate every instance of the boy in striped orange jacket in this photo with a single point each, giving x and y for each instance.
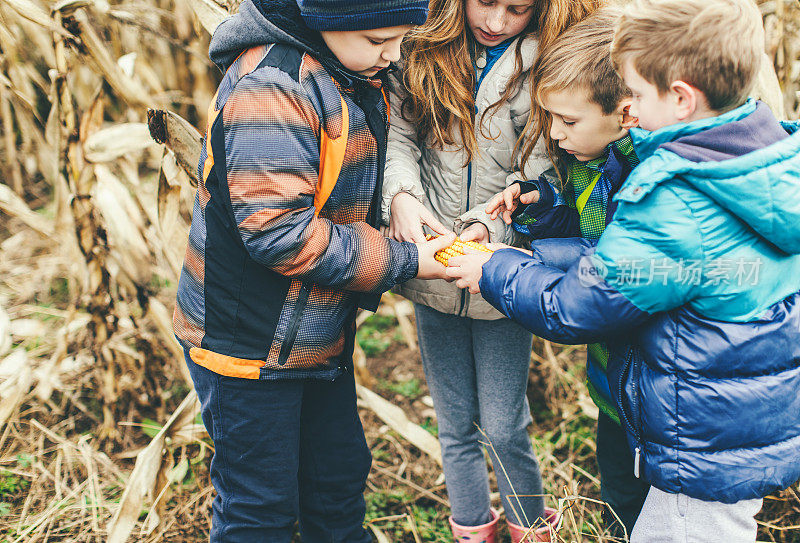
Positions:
(282, 251)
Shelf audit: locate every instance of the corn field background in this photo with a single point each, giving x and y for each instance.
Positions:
(100, 440)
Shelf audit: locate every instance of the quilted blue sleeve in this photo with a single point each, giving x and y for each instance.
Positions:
(574, 306)
(559, 253)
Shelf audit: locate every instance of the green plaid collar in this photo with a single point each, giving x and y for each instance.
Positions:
(625, 147)
(583, 176)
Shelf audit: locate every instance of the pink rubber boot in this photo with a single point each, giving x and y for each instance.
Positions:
(518, 533)
(485, 533)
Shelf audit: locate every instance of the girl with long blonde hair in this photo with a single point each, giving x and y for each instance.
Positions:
(459, 107)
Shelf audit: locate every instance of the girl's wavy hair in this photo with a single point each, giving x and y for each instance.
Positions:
(439, 77)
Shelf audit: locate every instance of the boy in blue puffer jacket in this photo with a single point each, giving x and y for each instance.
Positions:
(697, 279)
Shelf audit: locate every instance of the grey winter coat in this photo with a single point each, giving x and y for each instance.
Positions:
(456, 194)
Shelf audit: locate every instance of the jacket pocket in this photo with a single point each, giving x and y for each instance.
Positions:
(312, 331)
(628, 401)
(294, 323)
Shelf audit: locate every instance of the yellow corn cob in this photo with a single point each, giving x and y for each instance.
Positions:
(457, 248)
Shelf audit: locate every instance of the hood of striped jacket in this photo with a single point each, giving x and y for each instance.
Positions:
(259, 22)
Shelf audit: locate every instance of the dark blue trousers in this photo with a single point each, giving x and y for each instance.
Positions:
(618, 486)
(284, 450)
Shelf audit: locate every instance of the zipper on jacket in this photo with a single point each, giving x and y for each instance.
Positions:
(463, 305)
(624, 417)
(485, 69)
(382, 143)
(294, 324)
(478, 81)
(462, 310)
(474, 120)
(469, 181)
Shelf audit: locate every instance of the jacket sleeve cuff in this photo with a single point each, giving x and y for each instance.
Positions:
(497, 228)
(390, 192)
(407, 254)
(529, 213)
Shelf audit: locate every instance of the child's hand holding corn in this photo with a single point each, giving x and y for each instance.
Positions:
(408, 216)
(429, 268)
(476, 232)
(467, 269)
(462, 260)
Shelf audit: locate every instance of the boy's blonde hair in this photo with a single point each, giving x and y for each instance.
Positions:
(579, 59)
(713, 45)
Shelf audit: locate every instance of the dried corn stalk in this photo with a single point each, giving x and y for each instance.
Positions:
(179, 136)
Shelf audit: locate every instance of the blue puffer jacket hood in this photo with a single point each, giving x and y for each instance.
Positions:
(695, 285)
(711, 212)
(737, 159)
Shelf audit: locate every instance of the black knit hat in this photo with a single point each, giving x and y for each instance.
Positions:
(362, 14)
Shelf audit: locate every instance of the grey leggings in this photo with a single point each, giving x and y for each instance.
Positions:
(477, 373)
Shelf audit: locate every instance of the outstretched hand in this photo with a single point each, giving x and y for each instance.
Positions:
(506, 202)
(429, 268)
(476, 232)
(408, 215)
